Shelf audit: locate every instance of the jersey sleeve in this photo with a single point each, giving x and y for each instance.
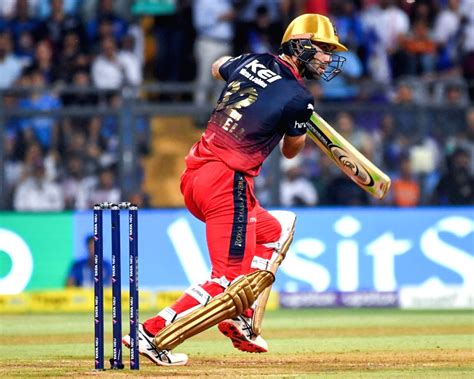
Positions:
(296, 113)
(231, 65)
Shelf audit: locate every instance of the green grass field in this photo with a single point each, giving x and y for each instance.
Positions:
(346, 343)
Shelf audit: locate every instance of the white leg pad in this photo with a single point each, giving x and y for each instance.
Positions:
(287, 221)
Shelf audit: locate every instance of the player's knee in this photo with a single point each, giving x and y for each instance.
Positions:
(286, 219)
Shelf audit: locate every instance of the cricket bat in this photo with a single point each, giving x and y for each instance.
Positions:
(362, 171)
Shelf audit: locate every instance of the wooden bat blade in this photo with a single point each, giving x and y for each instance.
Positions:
(363, 172)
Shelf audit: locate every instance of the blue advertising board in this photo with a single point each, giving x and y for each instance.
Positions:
(334, 249)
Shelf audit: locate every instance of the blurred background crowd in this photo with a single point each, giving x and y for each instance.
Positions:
(404, 99)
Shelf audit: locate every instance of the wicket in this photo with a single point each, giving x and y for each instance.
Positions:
(116, 360)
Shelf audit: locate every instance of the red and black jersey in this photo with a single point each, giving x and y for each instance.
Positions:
(263, 100)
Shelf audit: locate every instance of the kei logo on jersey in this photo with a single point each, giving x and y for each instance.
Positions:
(259, 73)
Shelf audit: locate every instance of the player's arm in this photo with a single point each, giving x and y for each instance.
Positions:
(292, 145)
(217, 65)
(297, 113)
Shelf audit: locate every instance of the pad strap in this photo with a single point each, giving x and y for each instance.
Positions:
(260, 263)
(222, 281)
(168, 314)
(199, 293)
(273, 245)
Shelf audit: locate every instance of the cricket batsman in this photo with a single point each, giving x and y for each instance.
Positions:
(264, 101)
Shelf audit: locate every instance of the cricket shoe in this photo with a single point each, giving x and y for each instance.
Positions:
(147, 348)
(239, 330)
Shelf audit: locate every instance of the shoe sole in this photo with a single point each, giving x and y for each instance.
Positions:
(152, 360)
(238, 339)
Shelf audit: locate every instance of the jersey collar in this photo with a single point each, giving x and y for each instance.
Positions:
(293, 71)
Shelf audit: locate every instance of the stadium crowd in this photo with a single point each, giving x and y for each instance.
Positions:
(413, 61)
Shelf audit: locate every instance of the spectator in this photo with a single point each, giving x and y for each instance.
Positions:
(309, 162)
(383, 41)
(120, 7)
(13, 167)
(446, 34)
(82, 81)
(361, 140)
(407, 116)
(422, 10)
(451, 92)
(391, 145)
(8, 8)
(450, 119)
(113, 69)
(33, 154)
(105, 190)
(10, 65)
(342, 191)
(140, 198)
(26, 48)
(76, 186)
(404, 94)
(116, 27)
(456, 186)
(71, 7)
(213, 23)
(109, 131)
(44, 128)
(132, 43)
(45, 63)
(101, 150)
(467, 45)
(77, 144)
(327, 171)
(173, 60)
(266, 193)
(72, 58)
(418, 54)
(426, 159)
(295, 189)
(313, 6)
(464, 139)
(21, 21)
(12, 128)
(263, 32)
(23, 82)
(468, 142)
(405, 190)
(316, 90)
(81, 273)
(37, 192)
(80, 97)
(348, 24)
(58, 25)
(257, 24)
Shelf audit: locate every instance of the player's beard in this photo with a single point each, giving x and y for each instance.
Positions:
(314, 69)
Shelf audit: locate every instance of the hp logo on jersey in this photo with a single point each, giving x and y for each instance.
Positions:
(299, 125)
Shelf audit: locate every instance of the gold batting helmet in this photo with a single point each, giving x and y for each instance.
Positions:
(314, 27)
